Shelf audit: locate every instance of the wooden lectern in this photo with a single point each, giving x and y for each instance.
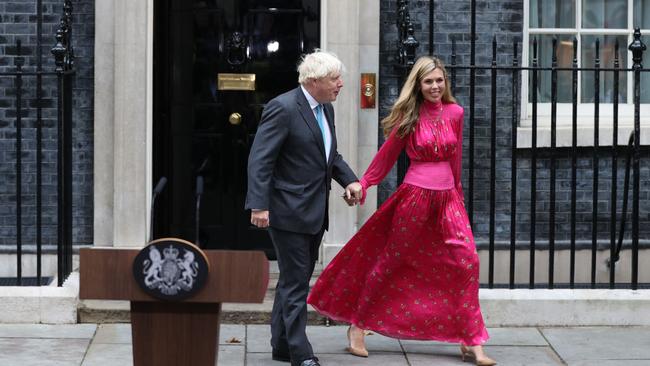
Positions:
(174, 332)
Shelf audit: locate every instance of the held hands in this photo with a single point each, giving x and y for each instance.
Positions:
(353, 193)
(260, 218)
(352, 196)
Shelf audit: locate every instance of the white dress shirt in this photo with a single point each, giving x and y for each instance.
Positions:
(328, 134)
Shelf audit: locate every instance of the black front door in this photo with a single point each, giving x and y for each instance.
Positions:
(216, 63)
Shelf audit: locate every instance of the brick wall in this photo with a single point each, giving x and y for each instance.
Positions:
(505, 20)
(19, 22)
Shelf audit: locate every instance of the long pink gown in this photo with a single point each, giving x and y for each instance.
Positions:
(412, 270)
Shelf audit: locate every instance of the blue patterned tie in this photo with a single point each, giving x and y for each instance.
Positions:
(319, 118)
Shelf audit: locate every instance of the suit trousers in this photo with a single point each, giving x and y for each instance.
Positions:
(296, 254)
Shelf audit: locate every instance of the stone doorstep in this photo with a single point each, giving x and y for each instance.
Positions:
(106, 311)
(501, 307)
(102, 311)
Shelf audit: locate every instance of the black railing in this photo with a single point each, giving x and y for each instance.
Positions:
(537, 163)
(554, 153)
(64, 56)
(31, 97)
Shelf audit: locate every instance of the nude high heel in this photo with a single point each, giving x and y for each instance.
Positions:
(467, 354)
(356, 351)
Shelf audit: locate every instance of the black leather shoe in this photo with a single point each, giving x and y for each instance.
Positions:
(310, 362)
(280, 356)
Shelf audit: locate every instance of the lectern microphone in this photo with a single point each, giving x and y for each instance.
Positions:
(199, 185)
(156, 191)
(199, 192)
(160, 186)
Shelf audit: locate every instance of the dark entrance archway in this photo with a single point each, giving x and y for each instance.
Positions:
(206, 106)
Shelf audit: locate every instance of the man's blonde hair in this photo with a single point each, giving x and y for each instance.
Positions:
(319, 64)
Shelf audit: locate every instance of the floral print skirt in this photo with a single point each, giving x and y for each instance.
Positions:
(411, 272)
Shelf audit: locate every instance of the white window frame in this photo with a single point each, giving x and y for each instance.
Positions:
(585, 111)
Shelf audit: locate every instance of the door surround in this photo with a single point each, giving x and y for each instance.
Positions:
(122, 122)
(123, 115)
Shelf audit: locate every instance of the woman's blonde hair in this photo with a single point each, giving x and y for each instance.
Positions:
(405, 111)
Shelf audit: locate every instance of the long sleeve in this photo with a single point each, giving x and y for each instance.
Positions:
(457, 159)
(341, 171)
(383, 161)
(267, 144)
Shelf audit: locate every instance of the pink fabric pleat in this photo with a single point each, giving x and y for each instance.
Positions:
(411, 272)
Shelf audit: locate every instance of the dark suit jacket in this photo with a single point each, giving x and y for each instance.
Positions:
(287, 171)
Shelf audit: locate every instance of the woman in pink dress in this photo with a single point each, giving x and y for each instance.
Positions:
(412, 271)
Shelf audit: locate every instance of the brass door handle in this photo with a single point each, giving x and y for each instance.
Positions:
(234, 119)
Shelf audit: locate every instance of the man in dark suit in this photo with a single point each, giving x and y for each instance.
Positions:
(290, 168)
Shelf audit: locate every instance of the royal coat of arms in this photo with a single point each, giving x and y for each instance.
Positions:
(170, 269)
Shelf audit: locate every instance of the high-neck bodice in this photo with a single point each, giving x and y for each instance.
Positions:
(434, 149)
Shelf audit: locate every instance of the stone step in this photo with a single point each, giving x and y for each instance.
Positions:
(105, 311)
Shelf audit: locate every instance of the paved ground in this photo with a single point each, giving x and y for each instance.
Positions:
(110, 344)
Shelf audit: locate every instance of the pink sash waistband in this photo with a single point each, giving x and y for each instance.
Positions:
(435, 175)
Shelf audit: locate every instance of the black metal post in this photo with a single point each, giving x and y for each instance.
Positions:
(637, 47)
(612, 232)
(67, 7)
(551, 228)
(574, 162)
(594, 217)
(513, 164)
(533, 171)
(67, 131)
(64, 60)
(61, 181)
(39, 140)
(19, 62)
(493, 153)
